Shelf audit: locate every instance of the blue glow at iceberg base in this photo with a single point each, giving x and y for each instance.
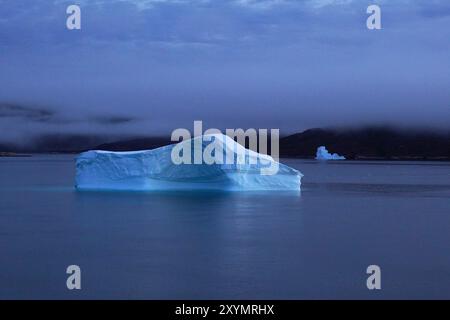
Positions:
(149, 170)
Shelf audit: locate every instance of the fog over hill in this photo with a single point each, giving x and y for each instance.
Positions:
(363, 143)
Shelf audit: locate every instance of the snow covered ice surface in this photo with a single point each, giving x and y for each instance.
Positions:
(155, 169)
(323, 154)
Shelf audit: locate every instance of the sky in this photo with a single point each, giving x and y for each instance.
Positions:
(147, 67)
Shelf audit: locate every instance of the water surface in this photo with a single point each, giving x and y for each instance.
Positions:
(308, 245)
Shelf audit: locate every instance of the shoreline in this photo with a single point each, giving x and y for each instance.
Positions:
(14, 155)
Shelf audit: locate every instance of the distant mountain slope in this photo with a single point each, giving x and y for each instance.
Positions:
(135, 144)
(369, 143)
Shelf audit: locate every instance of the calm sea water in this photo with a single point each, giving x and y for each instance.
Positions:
(315, 244)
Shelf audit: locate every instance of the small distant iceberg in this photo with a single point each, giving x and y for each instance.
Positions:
(149, 170)
(323, 154)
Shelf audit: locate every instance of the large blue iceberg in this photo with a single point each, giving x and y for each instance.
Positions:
(156, 169)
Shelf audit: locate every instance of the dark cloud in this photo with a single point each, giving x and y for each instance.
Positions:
(112, 120)
(30, 114)
(16, 111)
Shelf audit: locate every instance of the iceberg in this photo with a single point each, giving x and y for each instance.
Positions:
(323, 154)
(154, 170)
